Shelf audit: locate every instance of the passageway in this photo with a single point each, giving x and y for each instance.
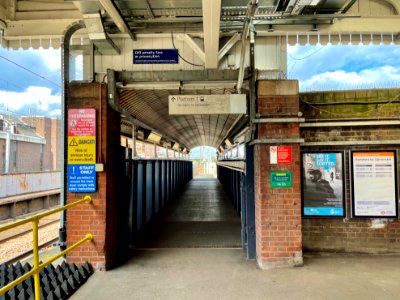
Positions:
(202, 216)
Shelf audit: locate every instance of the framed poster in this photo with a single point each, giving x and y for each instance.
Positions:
(374, 184)
(323, 184)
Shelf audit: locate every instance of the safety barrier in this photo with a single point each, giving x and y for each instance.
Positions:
(237, 179)
(151, 184)
(37, 267)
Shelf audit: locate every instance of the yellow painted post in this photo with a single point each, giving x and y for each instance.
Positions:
(35, 243)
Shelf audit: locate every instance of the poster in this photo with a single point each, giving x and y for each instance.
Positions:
(374, 184)
(323, 184)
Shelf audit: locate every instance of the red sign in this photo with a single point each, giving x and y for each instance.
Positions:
(82, 122)
(281, 155)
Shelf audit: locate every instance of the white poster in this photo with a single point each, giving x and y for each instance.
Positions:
(374, 184)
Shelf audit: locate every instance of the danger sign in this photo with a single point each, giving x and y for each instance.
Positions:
(82, 150)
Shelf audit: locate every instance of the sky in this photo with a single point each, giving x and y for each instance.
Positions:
(34, 87)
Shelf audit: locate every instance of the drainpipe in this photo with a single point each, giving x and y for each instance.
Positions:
(251, 10)
(8, 150)
(65, 77)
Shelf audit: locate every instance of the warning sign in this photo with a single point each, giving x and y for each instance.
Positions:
(281, 155)
(82, 122)
(81, 150)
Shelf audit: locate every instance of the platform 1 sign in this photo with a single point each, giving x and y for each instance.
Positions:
(81, 150)
(207, 104)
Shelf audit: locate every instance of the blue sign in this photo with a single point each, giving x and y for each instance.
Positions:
(82, 178)
(155, 56)
(323, 211)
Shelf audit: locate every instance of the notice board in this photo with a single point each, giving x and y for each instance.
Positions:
(374, 184)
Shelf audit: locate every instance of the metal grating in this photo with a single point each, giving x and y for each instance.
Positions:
(151, 107)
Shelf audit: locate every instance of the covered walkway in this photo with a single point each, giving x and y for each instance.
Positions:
(201, 217)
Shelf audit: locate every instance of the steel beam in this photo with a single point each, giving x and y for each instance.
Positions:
(211, 28)
(173, 76)
(196, 49)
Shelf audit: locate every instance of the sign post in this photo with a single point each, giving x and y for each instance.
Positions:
(82, 150)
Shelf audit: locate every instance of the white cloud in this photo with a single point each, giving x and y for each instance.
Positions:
(34, 95)
(55, 113)
(385, 76)
(52, 58)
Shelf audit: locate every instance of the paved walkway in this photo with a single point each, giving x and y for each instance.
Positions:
(192, 251)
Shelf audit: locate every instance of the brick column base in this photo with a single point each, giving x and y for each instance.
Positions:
(278, 209)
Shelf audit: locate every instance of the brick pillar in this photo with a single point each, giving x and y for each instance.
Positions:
(278, 210)
(100, 217)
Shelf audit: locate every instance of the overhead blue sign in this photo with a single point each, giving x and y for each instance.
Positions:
(155, 56)
(81, 178)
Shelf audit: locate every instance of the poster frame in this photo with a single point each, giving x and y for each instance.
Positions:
(344, 168)
(352, 205)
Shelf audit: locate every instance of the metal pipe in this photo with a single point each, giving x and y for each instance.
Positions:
(251, 10)
(65, 77)
(8, 150)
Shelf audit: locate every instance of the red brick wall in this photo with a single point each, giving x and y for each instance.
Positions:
(350, 234)
(100, 217)
(278, 210)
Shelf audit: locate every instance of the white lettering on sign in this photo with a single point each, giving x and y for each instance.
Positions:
(207, 104)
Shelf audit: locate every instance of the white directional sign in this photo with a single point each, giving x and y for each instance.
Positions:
(207, 104)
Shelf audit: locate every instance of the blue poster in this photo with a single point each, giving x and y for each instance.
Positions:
(155, 56)
(82, 178)
(323, 184)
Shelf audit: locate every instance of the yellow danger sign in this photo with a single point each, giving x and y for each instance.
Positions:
(81, 150)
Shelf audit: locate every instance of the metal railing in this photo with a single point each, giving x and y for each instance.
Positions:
(36, 266)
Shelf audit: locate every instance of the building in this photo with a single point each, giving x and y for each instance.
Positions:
(29, 144)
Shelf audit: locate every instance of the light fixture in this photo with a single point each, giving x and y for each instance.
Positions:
(270, 28)
(152, 136)
(228, 143)
(315, 28)
(175, 146)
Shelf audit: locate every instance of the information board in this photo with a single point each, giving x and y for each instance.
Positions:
(155, 56)
(374, 184)
(281, 179)
(280, 155)
(322, 184)
(81, 150)
(207, 104)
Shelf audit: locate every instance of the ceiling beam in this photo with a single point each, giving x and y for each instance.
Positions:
(149, 9)
(378, 25)
(228, 46)
(193, 45)
(116, 16)
(211, 28)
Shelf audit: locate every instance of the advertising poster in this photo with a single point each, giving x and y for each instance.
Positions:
(374, 184)
(323, 184)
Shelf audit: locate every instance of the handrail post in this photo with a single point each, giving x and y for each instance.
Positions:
(35, 243)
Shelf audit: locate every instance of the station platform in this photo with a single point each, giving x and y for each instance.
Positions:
(192, 250)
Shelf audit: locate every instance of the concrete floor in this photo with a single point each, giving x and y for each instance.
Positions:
(192, 251)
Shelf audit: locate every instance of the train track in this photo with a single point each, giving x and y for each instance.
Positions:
(28, 253)
(17, 244)
(25, 231)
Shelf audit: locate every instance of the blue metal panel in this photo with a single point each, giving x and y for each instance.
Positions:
(149, 190)
(163, 182)
(139, 195)
(156, 186)
(250, 204)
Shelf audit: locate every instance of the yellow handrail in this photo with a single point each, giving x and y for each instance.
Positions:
(36, 266)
